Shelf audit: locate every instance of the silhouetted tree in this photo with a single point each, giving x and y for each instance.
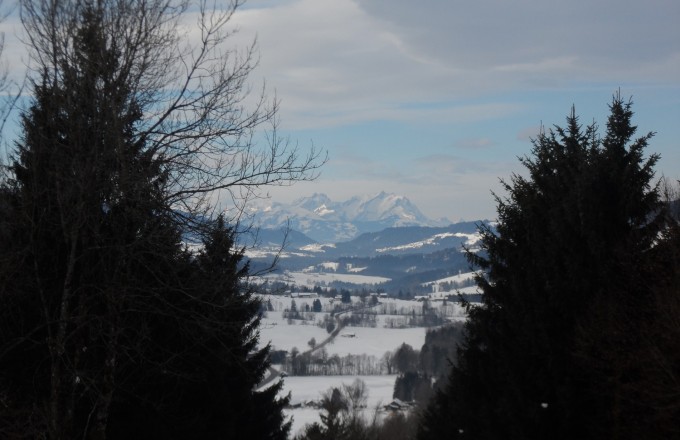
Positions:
(550, 350)
(109, 326)
(340, 415)
(405, 359)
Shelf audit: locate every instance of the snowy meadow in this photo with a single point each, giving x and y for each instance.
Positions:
(363, 334)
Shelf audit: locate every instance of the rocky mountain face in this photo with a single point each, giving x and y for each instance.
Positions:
(327, 221)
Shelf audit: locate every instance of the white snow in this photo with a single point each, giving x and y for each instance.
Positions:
(321, 279)
(376, 341)
(417, 244)
(460, 278)
(357, 269)
(283, 336)
(314, 247)
(373, 341)
(328, 265)
(471, 290)
(470, 240)
(323, 210)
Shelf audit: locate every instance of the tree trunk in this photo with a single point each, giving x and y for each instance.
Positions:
(59, 418)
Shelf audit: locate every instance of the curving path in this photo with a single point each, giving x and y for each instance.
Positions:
(275, 374)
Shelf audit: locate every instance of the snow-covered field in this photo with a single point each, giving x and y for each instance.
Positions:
(284, 337)
(321, 279)
(372, 341)
(375, 341)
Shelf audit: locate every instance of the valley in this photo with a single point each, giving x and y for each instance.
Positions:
(357, 285)
(362, 348)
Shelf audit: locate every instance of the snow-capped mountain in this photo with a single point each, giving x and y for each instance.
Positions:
(326, 221)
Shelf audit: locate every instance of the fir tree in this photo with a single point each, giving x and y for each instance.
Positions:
(109, 326)
(563, 292)
(216, 365)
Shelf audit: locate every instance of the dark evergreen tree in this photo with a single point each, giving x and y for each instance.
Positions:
(657, 389)
(109, 327)
(405, 359)
(218, 364)
(545, 355)
(88, 228)
(316, 305)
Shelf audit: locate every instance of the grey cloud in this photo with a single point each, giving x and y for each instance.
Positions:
(496, 32)
(342, 61)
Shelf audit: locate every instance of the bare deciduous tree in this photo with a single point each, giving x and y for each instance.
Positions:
(140, 115)
(198, 115)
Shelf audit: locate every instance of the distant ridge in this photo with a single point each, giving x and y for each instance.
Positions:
(327, 221)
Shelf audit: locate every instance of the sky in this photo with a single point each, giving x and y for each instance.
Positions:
(435, 100)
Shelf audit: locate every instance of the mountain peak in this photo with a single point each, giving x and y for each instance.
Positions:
(312, 202)
(324, 220)
(323, 210)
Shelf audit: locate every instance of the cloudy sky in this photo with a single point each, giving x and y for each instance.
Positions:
(436, 99)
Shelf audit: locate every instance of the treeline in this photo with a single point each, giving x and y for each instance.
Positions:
(365, 314)
(345, 290)
(419, 267)
(401, 286)
(429, 366)
(319, 363)
(422, 372)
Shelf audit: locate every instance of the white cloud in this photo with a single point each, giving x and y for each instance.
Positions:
(332, 63)
(441, 185)
(337, 62)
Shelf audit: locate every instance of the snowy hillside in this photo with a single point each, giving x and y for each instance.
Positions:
(401, 250)
(398, 258)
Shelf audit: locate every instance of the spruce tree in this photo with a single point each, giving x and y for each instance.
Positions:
(109, 326)
(563, 290)
(87, 226)
(215, 363)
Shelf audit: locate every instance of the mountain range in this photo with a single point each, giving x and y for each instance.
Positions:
(382, 235)
(327, 221)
